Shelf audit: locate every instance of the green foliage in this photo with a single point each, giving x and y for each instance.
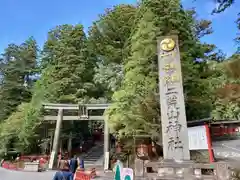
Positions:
(227, 88)
(135, 109)
(108, 40)
(32, 115)
(117, 62)
(70, 78)
(11, 127)
(194, 55)
(18, 63)
(222, 5)
(26, 119)
(67, 78)
(109, 76)
(238, 37)
(67, 74)
(109, 35)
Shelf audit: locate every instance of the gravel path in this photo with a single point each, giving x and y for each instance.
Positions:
(48, 175)
(18, 175)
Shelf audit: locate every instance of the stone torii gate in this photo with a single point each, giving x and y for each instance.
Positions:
(83, 115)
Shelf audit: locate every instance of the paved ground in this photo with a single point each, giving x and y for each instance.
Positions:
(17, 175)
(93, 158)
(48, 175)
(227, 150)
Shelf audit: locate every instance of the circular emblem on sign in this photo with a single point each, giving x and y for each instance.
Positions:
(167, 44)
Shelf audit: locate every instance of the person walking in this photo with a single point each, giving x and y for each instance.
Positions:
(73, 164)
(64, 172)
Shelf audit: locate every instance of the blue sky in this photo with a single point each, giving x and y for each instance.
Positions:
(23, 18)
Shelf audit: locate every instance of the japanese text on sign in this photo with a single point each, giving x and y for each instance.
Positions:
(174, 126)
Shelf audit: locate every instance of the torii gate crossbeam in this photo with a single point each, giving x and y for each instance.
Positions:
(83, 116)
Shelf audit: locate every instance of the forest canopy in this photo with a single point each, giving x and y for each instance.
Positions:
(116, 62)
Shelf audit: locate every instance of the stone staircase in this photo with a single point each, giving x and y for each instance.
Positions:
(95, 156)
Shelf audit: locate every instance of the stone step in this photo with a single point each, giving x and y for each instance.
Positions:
(95, 156)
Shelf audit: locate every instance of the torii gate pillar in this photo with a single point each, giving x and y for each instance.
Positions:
(106, 146)
(54, 153)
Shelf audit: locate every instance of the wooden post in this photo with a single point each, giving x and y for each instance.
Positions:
(106, 146)
(54, 153)
(173, 115)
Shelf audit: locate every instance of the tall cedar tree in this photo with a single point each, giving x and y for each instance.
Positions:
(175, 20)
(67, 74)
(135, 109)
(108, 38)
(110, 34)
(17, 66)
(72, 64)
